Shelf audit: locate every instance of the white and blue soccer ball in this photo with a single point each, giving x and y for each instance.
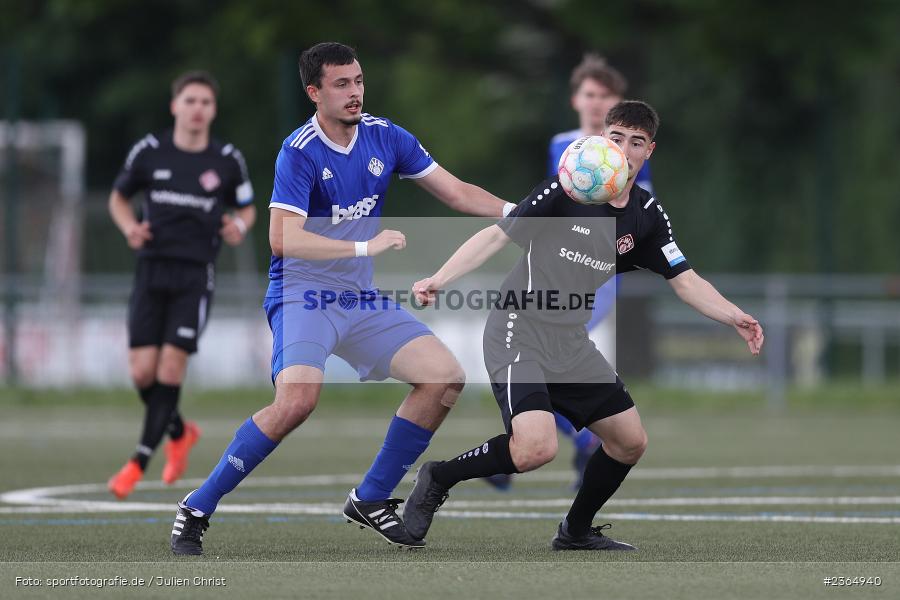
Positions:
(593, 170)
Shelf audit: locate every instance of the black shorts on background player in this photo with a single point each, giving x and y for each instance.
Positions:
(170, 303)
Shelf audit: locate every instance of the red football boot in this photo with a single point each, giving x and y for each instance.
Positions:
(177, 452)
(122, 483)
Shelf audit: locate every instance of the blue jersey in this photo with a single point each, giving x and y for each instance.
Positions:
(340, 191)
(561, 141)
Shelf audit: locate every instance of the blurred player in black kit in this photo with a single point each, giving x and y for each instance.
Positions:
(197, 193)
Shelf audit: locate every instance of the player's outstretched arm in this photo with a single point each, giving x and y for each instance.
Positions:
(287, 237)
(136, 233)
(471, 255)
(462, 196)
(706, 299)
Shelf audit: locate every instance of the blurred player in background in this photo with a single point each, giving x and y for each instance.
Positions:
(596, 87)
(541, 361)
(197, 193)
(331, 178)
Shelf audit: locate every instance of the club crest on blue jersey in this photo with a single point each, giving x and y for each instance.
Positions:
(376, 167)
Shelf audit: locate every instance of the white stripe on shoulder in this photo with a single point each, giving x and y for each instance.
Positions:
(226, 150)
(242, 164)
(307, 139)
(304, 138)
(369, 120)
(649, 202)
(303, 131)
(147, 140)
(288, 207)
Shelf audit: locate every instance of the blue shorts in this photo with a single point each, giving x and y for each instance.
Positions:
(366, 334)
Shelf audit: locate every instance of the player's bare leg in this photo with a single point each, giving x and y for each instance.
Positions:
(623, 436)
(437, 379)
(533, 442)
(142, 364)
(624, 442)
(297, 390)
(172, 365)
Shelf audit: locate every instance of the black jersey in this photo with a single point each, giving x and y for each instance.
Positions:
(570, 248)
(186, 194)
(570, 251)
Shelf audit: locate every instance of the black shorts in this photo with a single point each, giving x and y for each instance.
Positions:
(581, 403)
(170, 303)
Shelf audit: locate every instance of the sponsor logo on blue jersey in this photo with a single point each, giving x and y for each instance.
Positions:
(357, 211)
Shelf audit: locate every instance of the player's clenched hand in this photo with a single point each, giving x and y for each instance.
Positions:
(424, 290)
(231, 231)
(385, 240)
(138, 234)
(749, 329)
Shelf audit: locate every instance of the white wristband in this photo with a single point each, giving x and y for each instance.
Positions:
(362, 248)
(508, 208)
(240, 224)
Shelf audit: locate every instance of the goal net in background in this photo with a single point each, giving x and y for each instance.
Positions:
(42, 187)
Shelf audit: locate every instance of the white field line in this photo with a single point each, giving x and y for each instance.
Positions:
(652, 517)
(316, 508)
(45, 495)
(767, 471)
(695, 501)
(334, 510)
(47, 500)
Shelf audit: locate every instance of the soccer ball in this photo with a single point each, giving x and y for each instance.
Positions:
(593, 170)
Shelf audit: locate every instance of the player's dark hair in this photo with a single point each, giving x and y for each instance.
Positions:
(327, 53)
(593, 66)
(201, 77)
(634, 114)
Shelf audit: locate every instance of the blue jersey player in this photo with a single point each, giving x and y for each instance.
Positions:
(331, 181)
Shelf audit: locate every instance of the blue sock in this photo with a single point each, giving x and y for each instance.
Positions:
(248, 448)
(585, 438)
(403, 445)
(563, 425)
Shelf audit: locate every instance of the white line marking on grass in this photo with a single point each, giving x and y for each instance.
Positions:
(691, 501)
(651, 517)
(334, 510)
(767, 471)
(324, 508)
(47, 500)
(45, 494)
